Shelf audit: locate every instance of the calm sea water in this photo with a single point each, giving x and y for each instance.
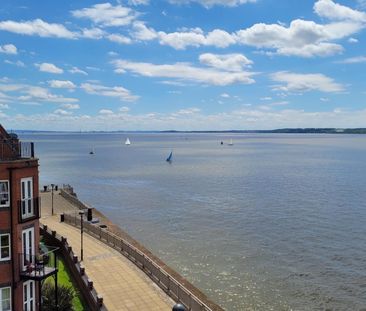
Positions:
(274, 222)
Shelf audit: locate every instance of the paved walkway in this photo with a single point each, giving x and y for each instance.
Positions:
(122, 285)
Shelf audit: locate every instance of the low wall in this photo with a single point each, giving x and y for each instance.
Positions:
(177, 291)
(84, 284)
(72, 198)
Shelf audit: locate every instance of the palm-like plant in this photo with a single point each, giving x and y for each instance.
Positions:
(65, 297)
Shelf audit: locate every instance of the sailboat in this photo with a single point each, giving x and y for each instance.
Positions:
(231, 142)
(169, 158)
(91, 151)
(127, 141)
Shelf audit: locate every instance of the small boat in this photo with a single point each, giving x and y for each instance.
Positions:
(169, 158)
(91, 151)
(127, 141)
(221, 143)
(231, 142)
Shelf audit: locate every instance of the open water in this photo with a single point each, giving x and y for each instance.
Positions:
(274, 222)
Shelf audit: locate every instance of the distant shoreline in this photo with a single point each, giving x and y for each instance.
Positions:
(275, 131)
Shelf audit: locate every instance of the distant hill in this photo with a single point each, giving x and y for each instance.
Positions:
(287, 131)
(284, 131)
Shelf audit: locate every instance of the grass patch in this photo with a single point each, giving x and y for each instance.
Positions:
(64, 278)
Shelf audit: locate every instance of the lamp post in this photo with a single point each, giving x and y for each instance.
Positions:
(52, 187)
(81, 213)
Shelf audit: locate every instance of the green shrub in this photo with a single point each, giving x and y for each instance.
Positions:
(65, 297)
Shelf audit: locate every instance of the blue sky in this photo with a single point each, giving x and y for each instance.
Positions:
(182, 64)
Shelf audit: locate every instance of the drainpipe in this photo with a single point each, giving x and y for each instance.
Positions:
(13, 242)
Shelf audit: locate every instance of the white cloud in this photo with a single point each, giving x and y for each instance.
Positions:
(105, 111)
(4, 106)
(18, 63)
(138, 2)
(48, 67)
(74, 70)
(119, 39)
(70, 106)
(37, 27)
(266, 98)
(225, 95)
(61, 84)
(354, 60)
(124, 109)
(211, 3)
(93, 33)
(105, 14)
(8, 49)
(352, 40)
(93, 68)
(34, 93)
(62, 112)
(142, 32)
(245, 117)
(335, 11)
(280, 103)
(112, 53)
(184, 72)
(186, 112)
(229, 62)
(116, 91)
(296, 82)
(195, 37)
(301, 38)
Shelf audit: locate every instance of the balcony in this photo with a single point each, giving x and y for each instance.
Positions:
(28, 210)
(15, 150)
(38, 267)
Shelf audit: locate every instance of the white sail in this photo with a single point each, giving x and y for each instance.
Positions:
(127, 141)
(231, 142)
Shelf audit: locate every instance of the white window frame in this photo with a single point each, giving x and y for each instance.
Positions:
(7, 204)
(27, 208)
(29, 293)
(9, 247)
(1, 298)
(28, 240)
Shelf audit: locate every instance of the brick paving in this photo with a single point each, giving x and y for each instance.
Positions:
(122, 285)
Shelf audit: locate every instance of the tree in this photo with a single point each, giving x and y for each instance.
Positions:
(65, 297)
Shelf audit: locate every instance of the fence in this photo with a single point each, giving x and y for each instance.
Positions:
(170, 285)
(85, 285)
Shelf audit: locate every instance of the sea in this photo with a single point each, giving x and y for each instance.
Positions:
(272, 222)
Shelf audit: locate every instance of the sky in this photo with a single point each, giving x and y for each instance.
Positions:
(182, 64)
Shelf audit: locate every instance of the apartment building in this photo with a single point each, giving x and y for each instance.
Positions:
(23, 266)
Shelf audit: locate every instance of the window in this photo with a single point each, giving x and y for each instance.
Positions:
(28, 296)
(4, 246)
(5, 299)
(28, 246)
(27, 197)
(4, 193)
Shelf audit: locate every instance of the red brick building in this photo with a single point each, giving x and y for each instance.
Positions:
(22, 269)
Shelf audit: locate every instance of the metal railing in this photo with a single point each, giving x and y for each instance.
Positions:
(38, 267)
(16, 150)
(28, 210)
(168, 283)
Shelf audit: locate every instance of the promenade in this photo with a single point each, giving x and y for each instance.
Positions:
(122, 285)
